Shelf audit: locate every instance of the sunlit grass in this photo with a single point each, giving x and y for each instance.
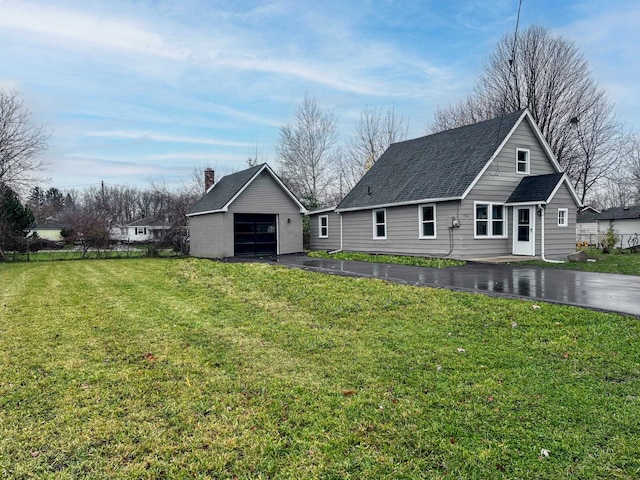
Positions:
(159, 368)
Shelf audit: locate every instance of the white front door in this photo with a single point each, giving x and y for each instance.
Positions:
(524, 230)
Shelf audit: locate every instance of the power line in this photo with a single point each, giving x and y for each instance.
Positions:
(512, 60)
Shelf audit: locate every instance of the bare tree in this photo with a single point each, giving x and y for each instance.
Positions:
(599, 147)
(88, 229)
(633, 166)
(306, 152)
(21, 143)
(548, 75)
(374, 132)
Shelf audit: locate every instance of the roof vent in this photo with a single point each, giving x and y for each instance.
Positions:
(368, 189)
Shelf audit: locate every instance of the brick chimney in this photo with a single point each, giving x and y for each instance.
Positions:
(209, 179)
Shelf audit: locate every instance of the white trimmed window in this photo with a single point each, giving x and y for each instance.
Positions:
(380, 223)
(427, 223)
(489, 220)
(563, 217)
(522, 161)
(323, 226)
(141, 231)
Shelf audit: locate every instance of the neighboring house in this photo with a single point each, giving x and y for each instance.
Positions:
(489, 189)
(49, 230)
(246, 213)
(587, 225)
(143, 230)
(625, 222)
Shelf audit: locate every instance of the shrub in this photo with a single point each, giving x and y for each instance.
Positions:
(608, 240)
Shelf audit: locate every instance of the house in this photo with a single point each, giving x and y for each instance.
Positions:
(246, 213)
(142, 230)
(625, 222)
(587, 225)
(489, 189)
(49, 230)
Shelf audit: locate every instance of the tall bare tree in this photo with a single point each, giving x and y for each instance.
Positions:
(599, 147)
(548, 75)
(21, 143)
(632, 169)
(306, 152)
(374, 132)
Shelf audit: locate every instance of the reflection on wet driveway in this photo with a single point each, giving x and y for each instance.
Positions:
(604, 291)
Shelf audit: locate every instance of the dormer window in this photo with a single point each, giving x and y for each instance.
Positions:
(522, 161)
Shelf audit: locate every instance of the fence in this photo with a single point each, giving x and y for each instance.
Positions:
(623, 240)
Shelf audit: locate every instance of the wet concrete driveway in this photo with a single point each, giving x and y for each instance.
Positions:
(601, 291)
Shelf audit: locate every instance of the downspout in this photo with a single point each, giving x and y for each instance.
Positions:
(340, 249)
(542, 210)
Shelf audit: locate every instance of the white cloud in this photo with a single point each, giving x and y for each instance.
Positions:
(162, 137)
(85, 30)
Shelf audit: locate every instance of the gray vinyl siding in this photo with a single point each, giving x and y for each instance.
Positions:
(500, 178)
(333, 241)
(212, 235)
(206, 233)
(402, 231)
(495, 186)
(467, 246)
(560, 241)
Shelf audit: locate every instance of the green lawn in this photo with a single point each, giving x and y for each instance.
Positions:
(625, 263)
(66, 254)
(184, 368)
(431, 262)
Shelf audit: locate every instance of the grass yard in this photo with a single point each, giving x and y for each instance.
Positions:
(624, 263)
(49, 255)
(184, 368)
(431, 262)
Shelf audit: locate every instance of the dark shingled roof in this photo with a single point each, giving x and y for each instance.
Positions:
(537, 188)
(148, 222)
(224, 190)
(442, 165)
(619, 213)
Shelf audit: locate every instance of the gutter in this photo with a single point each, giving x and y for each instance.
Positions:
(542, 210)
(340, 249)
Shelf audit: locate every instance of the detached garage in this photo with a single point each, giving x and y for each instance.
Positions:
(246, 213)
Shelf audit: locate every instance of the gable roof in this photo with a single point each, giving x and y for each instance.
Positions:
(441, 166)
(224, 192)
(619, 213)
(149, 222)
(536, 189)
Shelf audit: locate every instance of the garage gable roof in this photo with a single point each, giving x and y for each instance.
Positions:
(224, 192)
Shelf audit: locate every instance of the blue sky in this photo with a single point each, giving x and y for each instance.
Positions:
(134, 91)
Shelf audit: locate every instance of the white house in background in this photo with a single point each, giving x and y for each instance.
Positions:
(625, 222)
(49, 230)
(143, 230)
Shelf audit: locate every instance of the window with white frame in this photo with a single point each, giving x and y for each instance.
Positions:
(489, 219)
(522, 160)
(427, 214)
(380, 223)
(563, 217)
(141, 231)
(323, 226)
